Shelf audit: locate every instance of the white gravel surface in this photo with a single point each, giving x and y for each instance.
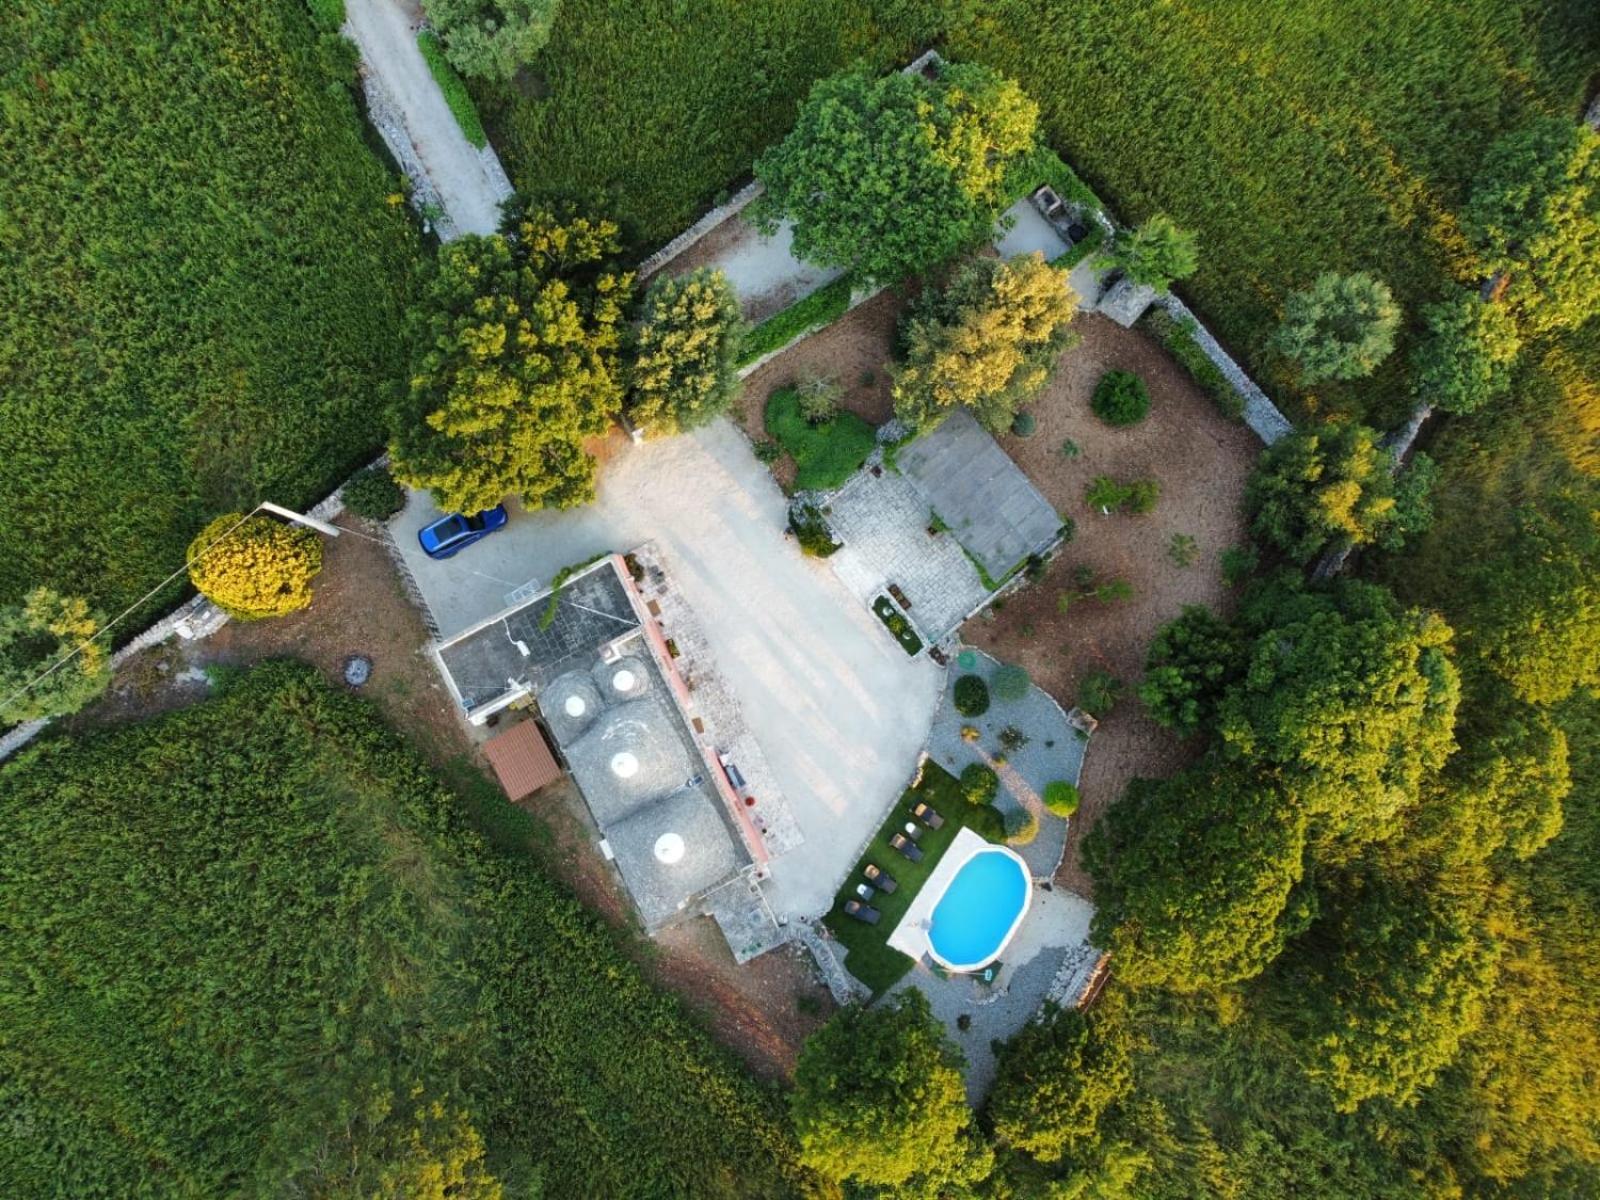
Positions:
(836, 705)
(469, 183)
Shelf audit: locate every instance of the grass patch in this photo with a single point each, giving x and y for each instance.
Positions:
(896, 623)
(454, 89)
(328, 14)
(825, 455)
(871, 959)
(822, 307)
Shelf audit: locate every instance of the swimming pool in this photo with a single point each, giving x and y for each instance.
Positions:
(981, 907)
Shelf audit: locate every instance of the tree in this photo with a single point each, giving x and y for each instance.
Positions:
(1534, 213)
(516, 365)
(254, 567)
(686, 353)
(372, 493)
(491, 39)
(1190, 665)
(878, 1098)
(1534, 608)
(1341, 327)
(979, 783)
(989, 340)
(35, 636)
(888, 176)
(1056, 1079)
(1156, 254)
(1350, 696)
(1384, 989)
(1335, 485)
(1193, 876)
(1465, 359)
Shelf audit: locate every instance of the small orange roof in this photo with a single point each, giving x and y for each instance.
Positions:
(522, 760)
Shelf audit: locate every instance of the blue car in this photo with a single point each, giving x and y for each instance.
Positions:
(454, 533)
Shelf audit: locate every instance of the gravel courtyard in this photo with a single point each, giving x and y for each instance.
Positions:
(838, 708)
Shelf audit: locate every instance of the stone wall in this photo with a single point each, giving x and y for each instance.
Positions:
(698, 230)
(1260, 413)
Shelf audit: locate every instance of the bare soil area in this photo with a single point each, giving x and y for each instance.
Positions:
(762, 1010)
(1201, 460)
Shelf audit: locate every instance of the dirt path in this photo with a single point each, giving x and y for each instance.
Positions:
(469, 183)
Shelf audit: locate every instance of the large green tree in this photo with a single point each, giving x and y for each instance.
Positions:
(1056, 1079)
(685, 354)
(1193, 876)
(1534, 213)
(491, 39)
(517, 364)
(1334, 485)
(1156, 254)
(988, 340)
(1191, 663)
(1341, 327)
(878, 1099)
(1348, 694)
(1387, 985)
(890, 175)
(1464, 360)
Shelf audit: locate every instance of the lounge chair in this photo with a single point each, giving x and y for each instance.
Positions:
(861, 912)
(864, 890)
(906, 846)
(913, 831)
(880, 878)
(927, 816)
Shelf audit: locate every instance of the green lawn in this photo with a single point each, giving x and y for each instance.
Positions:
(825, 455)
(871, 959)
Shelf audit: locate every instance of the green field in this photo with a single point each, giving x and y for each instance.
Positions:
(246, 942)
(205, 268)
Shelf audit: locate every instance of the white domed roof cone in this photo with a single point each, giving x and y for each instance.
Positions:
(575, 706)
(624, 680)
(624, 765)
(669, 848)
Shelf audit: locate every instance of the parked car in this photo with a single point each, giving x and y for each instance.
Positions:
(454, 533)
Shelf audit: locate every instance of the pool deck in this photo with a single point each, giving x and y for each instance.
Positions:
(910, 937)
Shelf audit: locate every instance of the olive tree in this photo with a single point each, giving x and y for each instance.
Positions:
(686, 353)
(889, 175)
(987, 341)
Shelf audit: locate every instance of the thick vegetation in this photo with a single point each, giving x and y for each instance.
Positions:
(491, 39)
(518, 343)
(263, 954)
(253, 567)
(51, 663)
(684, 353)
(205, 267)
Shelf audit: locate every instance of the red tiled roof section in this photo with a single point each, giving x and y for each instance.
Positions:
(522, 760)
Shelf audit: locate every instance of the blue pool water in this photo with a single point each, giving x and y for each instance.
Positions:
(974, 916)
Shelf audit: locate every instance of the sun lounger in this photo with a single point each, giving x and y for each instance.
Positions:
(906, 846)
(880, 878)
(927, 816)
(913, 831)
(861, 912)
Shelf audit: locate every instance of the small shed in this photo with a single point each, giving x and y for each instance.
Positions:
(522, 760)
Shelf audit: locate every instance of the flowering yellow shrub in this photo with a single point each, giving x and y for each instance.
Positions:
(262, 568)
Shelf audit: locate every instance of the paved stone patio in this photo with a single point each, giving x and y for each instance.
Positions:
(882, 520)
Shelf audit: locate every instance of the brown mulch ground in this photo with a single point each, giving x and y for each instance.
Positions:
(1201, 460)
(762, 1011)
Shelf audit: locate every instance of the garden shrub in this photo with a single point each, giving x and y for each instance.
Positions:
(1156, 254)
(979, 784)
(822, 307)
(491, 39)
(971, 696)
(456, 96)
(819, 398)
(1021, 826)
(262, 568)
(1108, 495)
(1061, 797)
(372, 493)
(825, 455)
(766, 450)
(1120, 398)
(811, 530)
(1024, 424)
(1010, 683)
(1099, 692)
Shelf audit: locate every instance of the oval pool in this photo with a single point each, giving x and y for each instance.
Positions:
(982, 906)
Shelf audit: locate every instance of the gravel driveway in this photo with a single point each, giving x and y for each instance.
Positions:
(469, 183)
(838, 708)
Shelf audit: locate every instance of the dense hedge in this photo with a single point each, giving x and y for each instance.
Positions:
(822, 307)
(246, 924)
(205, 270)
(454, 88)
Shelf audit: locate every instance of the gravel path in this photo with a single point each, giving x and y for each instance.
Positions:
(469, 184)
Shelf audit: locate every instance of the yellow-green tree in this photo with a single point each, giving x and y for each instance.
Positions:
(684, 367)
(988, 340)
(253, 567)
(35, 637)
(517, 364)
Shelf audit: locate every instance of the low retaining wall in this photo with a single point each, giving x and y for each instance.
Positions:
(698, 230)
(1260, 413)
